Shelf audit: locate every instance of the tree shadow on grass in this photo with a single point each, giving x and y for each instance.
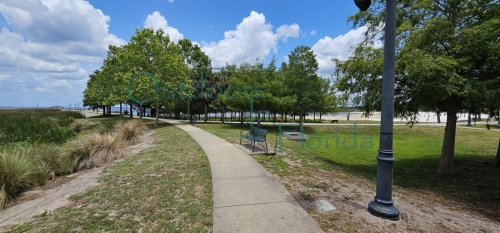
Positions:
(475, 183)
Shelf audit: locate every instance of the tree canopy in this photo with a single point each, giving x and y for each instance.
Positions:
(447, 59)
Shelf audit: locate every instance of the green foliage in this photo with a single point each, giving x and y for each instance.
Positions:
(36, 125)
(301, 79)
(447, 60)
(20, 169)
(51, 155)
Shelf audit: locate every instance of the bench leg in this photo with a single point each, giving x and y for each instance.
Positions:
(266, 145)
(253, 149)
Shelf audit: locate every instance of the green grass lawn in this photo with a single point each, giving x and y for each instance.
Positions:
(417, 151)
(165, 188)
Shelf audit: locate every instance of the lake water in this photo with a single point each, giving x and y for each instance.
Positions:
(422, 118)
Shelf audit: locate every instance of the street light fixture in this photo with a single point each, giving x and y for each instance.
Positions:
(363, 5)
(383, 205)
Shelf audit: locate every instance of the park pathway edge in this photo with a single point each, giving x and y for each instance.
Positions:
(246, 196)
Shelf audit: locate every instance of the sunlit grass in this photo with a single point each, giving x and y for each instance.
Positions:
(166, 188)
(416, 150)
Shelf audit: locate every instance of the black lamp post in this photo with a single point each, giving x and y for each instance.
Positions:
(383, 205)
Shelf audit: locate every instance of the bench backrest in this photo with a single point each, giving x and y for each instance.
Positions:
(258, 132)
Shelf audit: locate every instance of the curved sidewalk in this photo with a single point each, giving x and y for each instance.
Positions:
(246, 196)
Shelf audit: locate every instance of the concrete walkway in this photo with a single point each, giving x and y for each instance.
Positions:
(246, 196)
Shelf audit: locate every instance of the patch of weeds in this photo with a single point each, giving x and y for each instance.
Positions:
(334, 217)
(305, 195)
(414, 229)
(43, 214)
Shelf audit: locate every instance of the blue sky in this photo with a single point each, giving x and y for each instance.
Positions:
(49, 47)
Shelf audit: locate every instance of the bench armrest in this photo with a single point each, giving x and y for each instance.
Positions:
(241, 132)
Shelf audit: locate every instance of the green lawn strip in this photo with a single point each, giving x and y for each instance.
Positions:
(417, 151)
(165, 188)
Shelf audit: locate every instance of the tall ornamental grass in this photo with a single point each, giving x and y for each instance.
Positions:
(131, 131)
(44, 125)
(20, 169)
(25, 165)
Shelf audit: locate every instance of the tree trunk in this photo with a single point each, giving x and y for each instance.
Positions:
(157, 112)
(109, 110)
(131, 112)
(223, 109)
(188, 115)
(479, 117)
(206, 112)
(104, 110)
(438, 113)
(121, 110)
(446, 163)
(258, 119)
(241, 116)
(140, 111)
(314, 116)
(301, 119)
(496, 163)
(320, 117)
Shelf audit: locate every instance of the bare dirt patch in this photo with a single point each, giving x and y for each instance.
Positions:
(420, 212)
(55, 193)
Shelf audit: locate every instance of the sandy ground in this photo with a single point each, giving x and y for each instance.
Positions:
(419, 212)
(54, 194)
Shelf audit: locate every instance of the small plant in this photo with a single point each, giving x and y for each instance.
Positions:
(305, 195)
(131, 131)
(488, 120)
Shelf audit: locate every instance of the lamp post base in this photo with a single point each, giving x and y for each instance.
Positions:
(386, 211)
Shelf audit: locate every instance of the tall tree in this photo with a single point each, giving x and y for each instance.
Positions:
(302, 80)
(434, 66)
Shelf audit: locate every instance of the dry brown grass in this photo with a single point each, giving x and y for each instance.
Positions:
(95, 149)
(131, 131)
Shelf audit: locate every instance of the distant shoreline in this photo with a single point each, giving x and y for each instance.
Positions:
(341, 116)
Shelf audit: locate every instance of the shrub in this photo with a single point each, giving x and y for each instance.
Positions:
(131, 131)
(94, 149)
(52, 157)
(20, 169)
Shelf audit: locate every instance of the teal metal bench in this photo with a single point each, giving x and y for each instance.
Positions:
(254, 135)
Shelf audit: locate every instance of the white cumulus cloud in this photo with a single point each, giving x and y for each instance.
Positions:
(48, 48)
(286, 31)
(340, 47)
(253, 38)
(157, 21)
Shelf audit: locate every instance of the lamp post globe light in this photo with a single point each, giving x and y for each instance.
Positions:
(383, 205)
